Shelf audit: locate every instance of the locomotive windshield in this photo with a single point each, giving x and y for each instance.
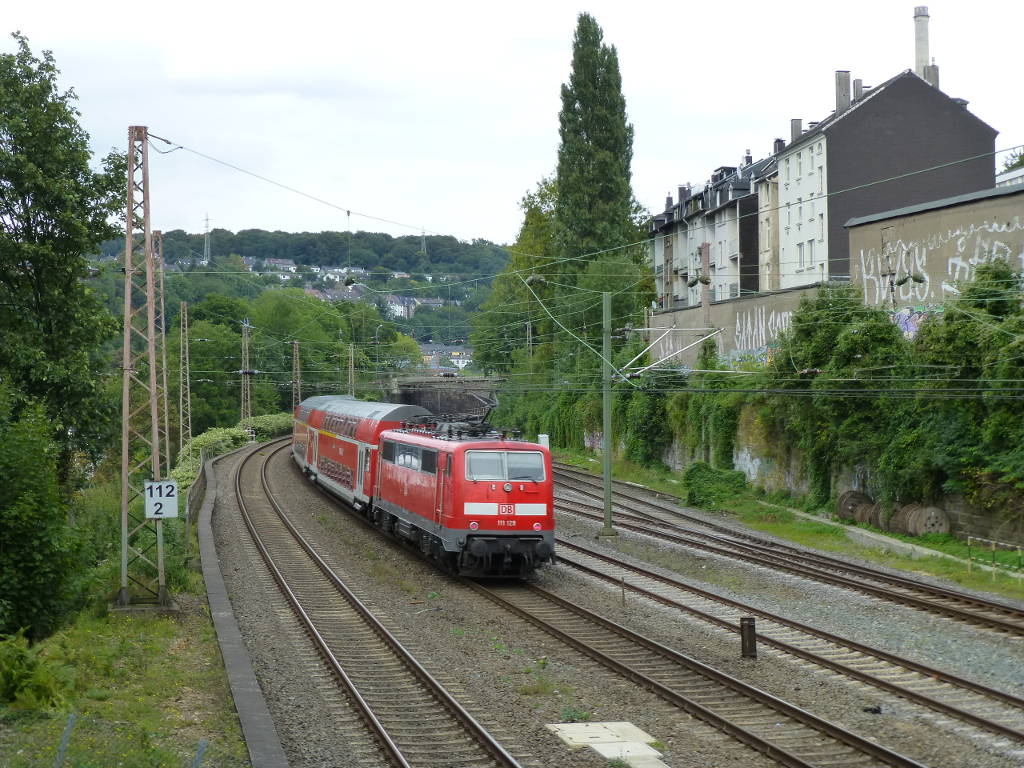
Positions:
(505, 465)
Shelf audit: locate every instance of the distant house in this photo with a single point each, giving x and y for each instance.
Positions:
(432, 303)
(1006, 178)
(400, 306)
(340, 274)
(334, 275)
(400, 275)
(281, 265)
(433, 354)
(248, 262)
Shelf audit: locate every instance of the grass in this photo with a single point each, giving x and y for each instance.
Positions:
(660, 480)
(146, 691)
(572, 713)
(779, 520)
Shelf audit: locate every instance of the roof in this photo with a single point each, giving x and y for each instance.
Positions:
(834, 118)
(947, 202)
(349, 406)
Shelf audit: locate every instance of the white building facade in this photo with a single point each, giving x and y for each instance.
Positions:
(803, 214)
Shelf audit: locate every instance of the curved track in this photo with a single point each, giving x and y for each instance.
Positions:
(413, 718)
(789, 735)
(663, 520)
(984, 707)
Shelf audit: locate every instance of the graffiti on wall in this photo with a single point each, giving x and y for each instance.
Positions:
(756, 330)
(910, 319)
(961, 249)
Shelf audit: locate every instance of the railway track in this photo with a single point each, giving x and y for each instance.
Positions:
(787, 734)
(963, 700)
(414, 720)
(666, 522)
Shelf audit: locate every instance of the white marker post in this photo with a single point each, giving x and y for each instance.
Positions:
(161, 499)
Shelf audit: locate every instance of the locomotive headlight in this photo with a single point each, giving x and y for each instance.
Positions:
(507, 487)
(536, 526)
(474, 525)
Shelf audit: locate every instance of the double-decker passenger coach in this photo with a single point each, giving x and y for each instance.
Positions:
(474, 499)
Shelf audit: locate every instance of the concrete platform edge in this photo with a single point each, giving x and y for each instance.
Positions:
(258, 729)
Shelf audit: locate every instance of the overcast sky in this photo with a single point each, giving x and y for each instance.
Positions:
(442, 115)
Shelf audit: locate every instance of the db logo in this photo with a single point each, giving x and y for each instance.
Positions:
(506, 509)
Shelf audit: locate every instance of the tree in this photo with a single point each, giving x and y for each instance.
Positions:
(593, 195)
(499, 328)
(1013, 161)
(54, 210)
(36, 550)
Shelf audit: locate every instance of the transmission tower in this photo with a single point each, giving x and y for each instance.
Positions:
(184, 387)
(140, 429)
(246, 373)
(206, 240)
(296, 376)
(161, 330)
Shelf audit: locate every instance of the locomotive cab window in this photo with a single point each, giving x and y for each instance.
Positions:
(428, 461)
(408, 456)
(525, 465)
(505, 465)
(388, 451)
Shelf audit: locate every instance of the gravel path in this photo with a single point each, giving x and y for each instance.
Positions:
(515, 679)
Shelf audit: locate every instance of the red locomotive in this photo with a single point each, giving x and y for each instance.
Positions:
(478, 503)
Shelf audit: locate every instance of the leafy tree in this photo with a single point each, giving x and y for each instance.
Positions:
(54, 210)
(36, 553)
(1014, 160)
(500, 325)
(594, 199)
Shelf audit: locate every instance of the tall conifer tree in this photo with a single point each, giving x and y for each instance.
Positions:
(594, 197)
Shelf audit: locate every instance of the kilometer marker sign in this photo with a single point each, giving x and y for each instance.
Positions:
(161, 499)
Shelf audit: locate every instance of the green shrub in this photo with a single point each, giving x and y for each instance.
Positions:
(36, 543)
(28, 680)
(269, 426)
(709, 487)
(215, 441)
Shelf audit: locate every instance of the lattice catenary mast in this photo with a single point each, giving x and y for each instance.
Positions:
(296, 376)
(140, 428)
(184, 387)
(161, 331)
(246, 374)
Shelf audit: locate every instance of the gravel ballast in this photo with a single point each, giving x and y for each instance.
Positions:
(515, 678)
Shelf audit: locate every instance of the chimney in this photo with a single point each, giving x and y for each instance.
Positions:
(842, 90)
(924, 66)
(858, 89)
(921, 59)
(748, 158)
(778, 145)
(796, 127)
(668, 202)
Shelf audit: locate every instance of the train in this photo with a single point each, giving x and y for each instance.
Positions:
(477, 501)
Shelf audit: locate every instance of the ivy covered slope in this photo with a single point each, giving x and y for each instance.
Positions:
(938, 414)
(920, 418)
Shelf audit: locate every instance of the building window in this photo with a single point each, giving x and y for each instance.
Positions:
(787, 169)
(821, 181)
(799, 164)
(821, 226)
(800, 255)
(810, 253)
(788, 215)
(819, 147)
